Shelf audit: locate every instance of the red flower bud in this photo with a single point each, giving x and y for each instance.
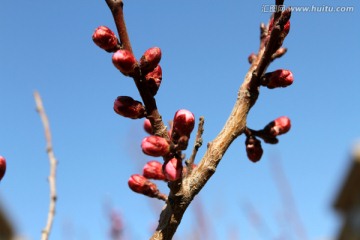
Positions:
(150, 59)
(125, 61)
(173, 169)
(155, 146)
(279, 126)
(278, 78)
(148, 127)
(128, 107)
(183, 123)
(142, 185)
(153, 80)
(105, 39)
(153, 170)
(254, 150)
(2, 167)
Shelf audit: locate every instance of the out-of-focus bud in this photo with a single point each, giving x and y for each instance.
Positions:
(252, 57)
(155, 146)
(148, 127)
(2, 167)
(279, 53)
(279, 126)
(278, 78)
(153, 170)
(150, 59)
(105, 39)
(128, 107)
(142, 185)
(153, 80)
(173, 169)
(124, 61)
(183, 123)
(254, 150)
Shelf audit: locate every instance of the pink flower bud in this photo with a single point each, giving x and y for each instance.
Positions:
(183, 122)
(2, 167)
(148, 127)
(125, 61)
(254, 150)
(173, 169)
(278, 78)
(153, 170)
(150, 59)
(128, 107)
(279, 126)
(153, 80)
(142, 185)
(105, 39)
(155, 146)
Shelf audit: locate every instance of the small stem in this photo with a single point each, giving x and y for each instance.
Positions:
(53, 163)
(197, 145)
(116, 7)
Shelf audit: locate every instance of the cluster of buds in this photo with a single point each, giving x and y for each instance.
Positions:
(2, 167)
(170, 149)
(269, 134)
(286, 27)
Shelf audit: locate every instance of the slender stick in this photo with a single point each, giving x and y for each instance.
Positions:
(197, 145)
(116, 7)
(53, 163)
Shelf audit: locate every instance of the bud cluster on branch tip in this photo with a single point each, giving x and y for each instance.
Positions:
(2, 167)
(150, 59)
(148, 127)
(128, 107)
(105, 39)
(153, 80)
(124, 61)
(285, 31)
(254, 150)
(278, 78)
(155, 146)
(153, 170)
(173, 169)
(279, 126)
(141, 184)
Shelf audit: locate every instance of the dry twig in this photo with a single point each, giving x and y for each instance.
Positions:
(53, 163)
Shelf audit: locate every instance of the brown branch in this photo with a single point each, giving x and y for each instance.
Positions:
(184, 190)
(197, 145)
(171, 216)
(53, 163)
(116, 7)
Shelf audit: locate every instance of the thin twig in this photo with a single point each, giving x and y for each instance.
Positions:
(116, 7)
(197, 145)
(53, 163)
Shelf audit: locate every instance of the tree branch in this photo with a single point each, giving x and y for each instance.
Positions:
(172, 213)
(53, 163)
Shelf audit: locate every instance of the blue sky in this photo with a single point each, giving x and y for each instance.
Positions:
(47, 46)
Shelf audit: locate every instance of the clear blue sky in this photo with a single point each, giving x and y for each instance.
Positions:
(47, 46)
